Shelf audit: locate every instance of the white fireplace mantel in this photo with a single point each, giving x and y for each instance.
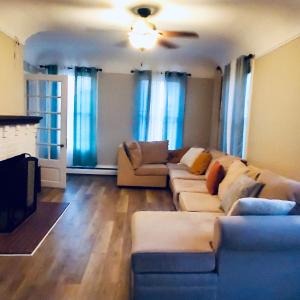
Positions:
(17, 135)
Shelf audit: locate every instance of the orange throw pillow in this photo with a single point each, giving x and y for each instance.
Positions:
(176, 155)
(201, 163)
(215, 176)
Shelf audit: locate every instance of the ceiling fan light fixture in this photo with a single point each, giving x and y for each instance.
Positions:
(143, 35)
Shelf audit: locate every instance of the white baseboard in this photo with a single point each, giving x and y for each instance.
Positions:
(96, 171)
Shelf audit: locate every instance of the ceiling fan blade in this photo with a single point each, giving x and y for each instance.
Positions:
(123, 44)
(78, 3)
(165, 43)
(180, 34)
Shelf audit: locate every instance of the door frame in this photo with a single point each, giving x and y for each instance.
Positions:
(61, 163)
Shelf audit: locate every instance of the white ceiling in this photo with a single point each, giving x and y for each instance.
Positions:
(86, 32)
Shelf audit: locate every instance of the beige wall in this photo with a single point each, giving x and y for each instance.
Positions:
(115, 114)
(198, 110)
(116, 106)
(11, 77)
(274, 132)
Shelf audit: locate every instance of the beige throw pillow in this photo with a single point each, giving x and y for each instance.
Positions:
(236, 169)
(154, 152)
(190, 156)
(134, 152)
(278, 187)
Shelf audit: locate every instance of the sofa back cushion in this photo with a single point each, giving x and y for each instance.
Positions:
(134, 153)
(223, 159)
(175, 156)
(154, 152)
(215, 176)
(236, 169)
(201, 163)
(261, 207)
(278, 187)
(242, 187)
(253, 172)
(190, 156)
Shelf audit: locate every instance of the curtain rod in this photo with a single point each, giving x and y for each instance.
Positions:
(70, 68)
(188, 74)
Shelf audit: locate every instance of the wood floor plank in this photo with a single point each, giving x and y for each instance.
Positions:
(87, 254)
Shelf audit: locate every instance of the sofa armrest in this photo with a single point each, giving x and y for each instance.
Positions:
(124, 162)
(256, 233)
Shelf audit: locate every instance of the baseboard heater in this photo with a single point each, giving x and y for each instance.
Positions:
(98, 170)
(19, 184)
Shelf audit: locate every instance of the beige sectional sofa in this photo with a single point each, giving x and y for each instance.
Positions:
(198, 252)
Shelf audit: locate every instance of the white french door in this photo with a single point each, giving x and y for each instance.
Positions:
(47, 97)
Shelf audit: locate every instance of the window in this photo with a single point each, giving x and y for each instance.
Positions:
(235, 106)
(159, 107)
(247, 112)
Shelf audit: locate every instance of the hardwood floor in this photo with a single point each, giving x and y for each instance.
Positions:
(87, 254)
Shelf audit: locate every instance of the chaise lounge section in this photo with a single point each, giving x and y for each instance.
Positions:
(206, 256)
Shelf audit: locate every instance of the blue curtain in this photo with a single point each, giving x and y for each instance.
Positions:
(224, 109)
(85, 117)
(175, 106)
(243, 68)
(141, 105)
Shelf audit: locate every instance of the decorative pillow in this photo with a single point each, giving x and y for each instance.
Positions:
(242, 187)
(261, 207)
(278, 187)
(154, 152)
(176, 155)
(253, 172)
(236, 169)
(224, 160)
(190, 156)
(134, 152)
(201, 163)
(215, 176)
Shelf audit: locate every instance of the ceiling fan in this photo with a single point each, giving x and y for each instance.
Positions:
(144, 35)
(94, 4)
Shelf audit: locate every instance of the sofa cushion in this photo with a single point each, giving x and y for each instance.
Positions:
(184, 174)
(182, 185)
(176, 155)
(236, 169)
(174, 233)
(278, 187)
(190, 156)
(261, 207)
(134, 152)
(154, 152)
(152, 170)
(216, 175)
(242, 187)
(201, 163)
(172, 166)
(199, 202)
